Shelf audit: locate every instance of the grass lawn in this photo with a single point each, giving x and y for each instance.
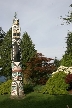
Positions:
(37, 100)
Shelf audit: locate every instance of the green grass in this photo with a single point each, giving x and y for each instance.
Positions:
(37, 100)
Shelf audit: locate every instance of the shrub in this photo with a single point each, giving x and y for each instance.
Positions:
(38, 88)
(5, 88)
(68, 80)
(0, 83)
(56, 84)
(28, 88)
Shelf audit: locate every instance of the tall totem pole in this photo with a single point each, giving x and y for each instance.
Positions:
(17, 76)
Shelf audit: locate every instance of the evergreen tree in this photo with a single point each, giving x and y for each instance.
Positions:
(69, 17)
(5, 52)
(67, 57)
(69, 43)
(27, 48)
(2, 35)
(56, 62)
(28, 51)
(66, 60)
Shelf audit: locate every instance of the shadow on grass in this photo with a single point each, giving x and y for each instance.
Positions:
(37, 100)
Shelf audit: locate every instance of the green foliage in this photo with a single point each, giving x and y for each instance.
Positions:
(28, 88)
(69, 43)
(56, 84)
(27, 48)
(67, 58)
(68, 17)
(56, 62)
(38, 88)
(0, 83)
(28, 51)
(5, 52)
(5, 87)
(2, 35)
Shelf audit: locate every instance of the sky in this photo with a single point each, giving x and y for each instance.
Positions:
(41, 20)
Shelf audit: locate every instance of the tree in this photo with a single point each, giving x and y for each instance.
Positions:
(68, 17)
(2, 35)
(5, 53)
(66, 60)
(56, 62)
(39, 68)
(27, 48)
(69, 43)
(67, 57)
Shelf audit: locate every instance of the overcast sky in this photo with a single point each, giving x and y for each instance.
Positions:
(41, 19)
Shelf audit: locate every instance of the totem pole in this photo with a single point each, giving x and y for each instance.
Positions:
(17, 76)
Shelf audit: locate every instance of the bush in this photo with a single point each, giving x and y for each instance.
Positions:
(0, 83)
(28, 88)
(38, 88)
(68, 80)
(5, 88)
(56, 84)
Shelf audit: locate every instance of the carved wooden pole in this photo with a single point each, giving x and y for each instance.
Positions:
(17, 76)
